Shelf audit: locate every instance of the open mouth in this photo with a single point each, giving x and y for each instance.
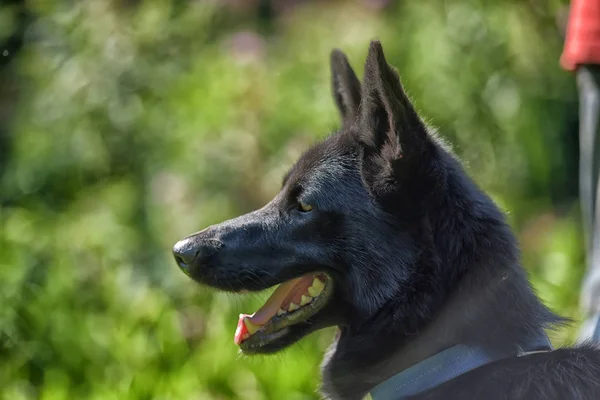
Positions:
(293, 302)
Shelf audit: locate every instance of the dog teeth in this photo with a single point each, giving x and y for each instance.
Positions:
(319, 284)
(316, 288)
(280, 312)
(252, 329)
(305, 300)
(293, 306)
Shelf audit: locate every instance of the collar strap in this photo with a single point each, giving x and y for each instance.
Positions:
(442, 367)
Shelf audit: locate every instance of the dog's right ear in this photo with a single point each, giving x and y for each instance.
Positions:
(345, 87)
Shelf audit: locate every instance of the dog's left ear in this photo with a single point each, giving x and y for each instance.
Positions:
(345, 87)
(390, 131)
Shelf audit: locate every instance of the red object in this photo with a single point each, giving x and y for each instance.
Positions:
(582, 44)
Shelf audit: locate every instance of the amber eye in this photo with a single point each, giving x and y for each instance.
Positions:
(304, 207)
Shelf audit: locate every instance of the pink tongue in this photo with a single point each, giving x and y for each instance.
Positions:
(269, 309)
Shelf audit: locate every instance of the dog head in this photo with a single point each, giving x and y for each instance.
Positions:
(347, 233)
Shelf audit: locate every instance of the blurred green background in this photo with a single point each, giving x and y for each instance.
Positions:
(126, 125)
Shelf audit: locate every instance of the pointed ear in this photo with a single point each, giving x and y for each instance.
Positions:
(389, 124)
(345, 87)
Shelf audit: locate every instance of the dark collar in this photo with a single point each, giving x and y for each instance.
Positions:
(442, 367)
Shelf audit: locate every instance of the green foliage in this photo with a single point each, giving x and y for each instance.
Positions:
(141, 122)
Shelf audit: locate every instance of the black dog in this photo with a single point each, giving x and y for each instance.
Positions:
(379, 231)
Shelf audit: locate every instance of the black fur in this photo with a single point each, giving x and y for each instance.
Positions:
(420, 257)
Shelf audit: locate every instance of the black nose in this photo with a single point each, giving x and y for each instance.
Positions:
(185, 253)
(189, 251)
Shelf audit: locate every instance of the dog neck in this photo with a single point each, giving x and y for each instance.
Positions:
(483, 299)
(359, 360)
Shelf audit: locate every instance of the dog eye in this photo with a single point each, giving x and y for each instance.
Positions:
(304, 207)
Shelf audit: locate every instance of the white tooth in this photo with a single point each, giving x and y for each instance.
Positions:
(293, 306)
(280, 312)
(318, 284)
(252, 329)
(314, 292)
(305, 300)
